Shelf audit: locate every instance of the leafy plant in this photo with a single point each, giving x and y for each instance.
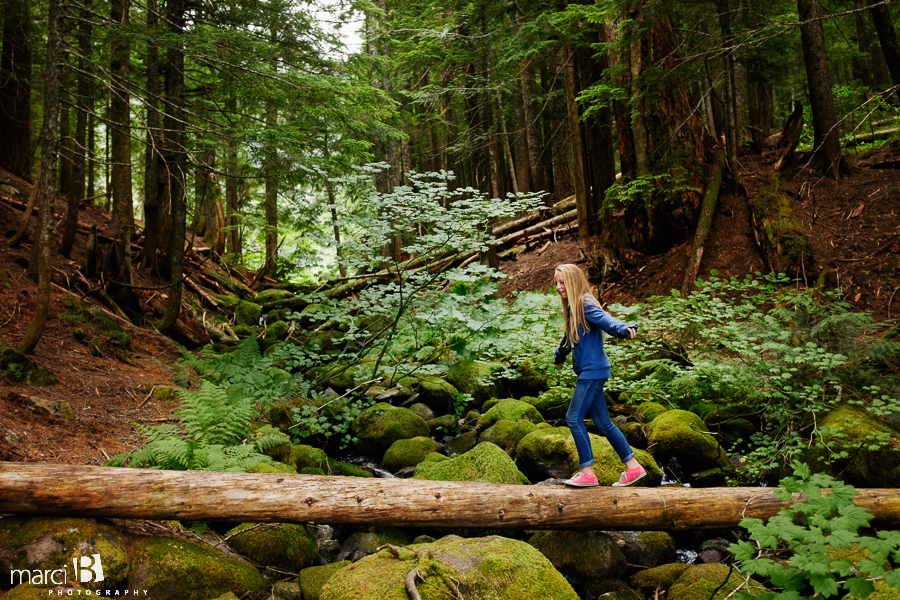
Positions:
(805, 550)
(208, 437)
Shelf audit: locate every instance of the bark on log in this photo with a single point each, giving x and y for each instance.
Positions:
(51, 489)
(784, 246)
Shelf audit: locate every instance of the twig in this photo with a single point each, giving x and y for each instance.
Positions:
(144, 401)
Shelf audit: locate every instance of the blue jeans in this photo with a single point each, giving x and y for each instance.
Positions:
(588, 397)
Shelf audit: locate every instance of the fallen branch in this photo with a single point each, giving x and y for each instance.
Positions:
(706, 215)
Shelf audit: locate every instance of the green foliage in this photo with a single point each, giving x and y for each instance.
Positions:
(817, 547)
(212, 425)
(647, 191)
(789, 353)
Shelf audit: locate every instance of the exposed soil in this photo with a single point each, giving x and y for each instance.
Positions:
(853, 225)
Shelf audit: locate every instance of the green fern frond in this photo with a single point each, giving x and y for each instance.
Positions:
(248, 353)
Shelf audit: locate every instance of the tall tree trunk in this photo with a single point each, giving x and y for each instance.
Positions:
(523, 158)
(532, 130)
(120, 132)
(232, 201)
(66, 146)
(83, 105)
(587, 217)
(731, 105)
(563, 181)
(826, 142)
(271, 266)
(176, 160)
(887, 37)
(152, 150)
(15, 88)
(46, 184)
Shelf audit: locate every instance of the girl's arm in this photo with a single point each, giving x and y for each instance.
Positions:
(596, 316)
(559, 357)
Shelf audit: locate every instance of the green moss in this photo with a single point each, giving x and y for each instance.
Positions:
(486, 568)
(282, 545)
(507, 434)
(700, 582)
(344, 469)
(381, 425)
(273, 295)
(313, 579)
(274, 467)
(52, 543)
(277, 330)
(475, 378)
(659, 578)
(588, 555)
(529, 381)
(408, 453)
(511, 410)
(679, 433)
(20, 368)
(273, 443)
(304, 456)
(177, 569)
(650, 410)
(485, 462)
(554, 403)
(247, 313)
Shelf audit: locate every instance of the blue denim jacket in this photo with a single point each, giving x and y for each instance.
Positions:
(588, 357)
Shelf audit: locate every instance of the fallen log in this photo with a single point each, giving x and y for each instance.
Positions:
(706, 216)
(51, 489)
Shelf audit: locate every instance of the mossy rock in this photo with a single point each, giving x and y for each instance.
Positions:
(492, 402)
(20, 368)
(423, 411)
(435, 392)
(183, 570)
(659, 578)
(282, 545)
(554, 403)
(313, 579)
(551, 453)
(506, 434)
(49, 543)
(345, 469)
(363, 543)
(485, 462)
(337, 375)
(529, 381)
(475, 378)
(285, 590)
(381, 425)
(483, 568)
(277, 330)
(511, 410)
(280, 416)
(97, 319)
(273, 467)
(408, 453)
(852, 429)
(646, 548)
(227, 300)
(435, 457)
(273, 295)
(243, 331)
(679, 434)
(273, 443)
(303, 456)
(462, 443)
(650, 410)
(585, 555)
(445, 423)
(634, 434)
(247, 313)
(882, 591)
(698, 582)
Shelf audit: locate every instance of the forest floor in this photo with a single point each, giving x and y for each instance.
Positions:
(853, 225)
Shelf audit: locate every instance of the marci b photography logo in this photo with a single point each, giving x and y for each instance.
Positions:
(88, 569)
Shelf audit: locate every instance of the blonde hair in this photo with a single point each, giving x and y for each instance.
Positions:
(579, 290)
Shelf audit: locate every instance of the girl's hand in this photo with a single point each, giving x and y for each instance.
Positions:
(631, 331)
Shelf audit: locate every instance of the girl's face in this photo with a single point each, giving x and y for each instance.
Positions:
(560, 285)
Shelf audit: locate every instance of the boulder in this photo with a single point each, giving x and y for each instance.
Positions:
(680, 434)
(20, 368)
(247, 313)
(462, 443)
(554, 403)
(658, 578)
(646, 548)
(650, 410)
(313, 579)
(528, 381)
(476, 378)
(551, 453)
(506, 434)
(423, 411)
(285, 590)
(282, 545)
(42, 544)
(582, 555)
(484, 568)
(485, 462)
(510, 410)
(183, 570)
(870, 464)
(273, 295)
(363, 543)
(435, 392)
(705, 582)
(408, 453)
(381, 425)
(273, 443)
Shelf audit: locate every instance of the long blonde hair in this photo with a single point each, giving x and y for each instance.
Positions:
(579, 290)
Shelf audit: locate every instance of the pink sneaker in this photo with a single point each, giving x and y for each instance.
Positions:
(629, 476)
(582, 479)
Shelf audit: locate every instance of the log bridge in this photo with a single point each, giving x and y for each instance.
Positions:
(86, 491)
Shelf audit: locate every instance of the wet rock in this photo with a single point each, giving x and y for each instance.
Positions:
(485, 462)
(283, 545)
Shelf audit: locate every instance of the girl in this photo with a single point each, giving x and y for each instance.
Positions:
(585, 323)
